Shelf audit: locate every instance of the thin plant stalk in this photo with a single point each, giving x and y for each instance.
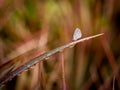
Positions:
(113, 83)
(63, 71)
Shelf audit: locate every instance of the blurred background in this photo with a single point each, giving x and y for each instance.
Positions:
(29, 28)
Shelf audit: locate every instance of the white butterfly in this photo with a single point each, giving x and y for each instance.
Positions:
(77, 34)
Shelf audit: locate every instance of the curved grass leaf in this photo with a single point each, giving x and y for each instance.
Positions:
(37, 59)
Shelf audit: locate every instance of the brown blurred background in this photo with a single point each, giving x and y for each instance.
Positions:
(31, 27)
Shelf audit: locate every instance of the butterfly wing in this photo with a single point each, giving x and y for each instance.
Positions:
(77, 34)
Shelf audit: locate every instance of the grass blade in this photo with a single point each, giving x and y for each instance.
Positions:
(37, 59)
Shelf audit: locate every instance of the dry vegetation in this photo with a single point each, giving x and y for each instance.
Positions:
(29, 28)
